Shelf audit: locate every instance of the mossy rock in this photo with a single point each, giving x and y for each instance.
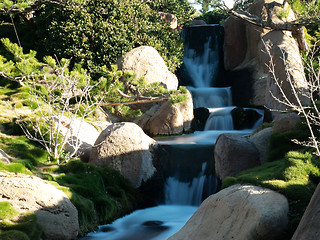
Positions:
(295, 176)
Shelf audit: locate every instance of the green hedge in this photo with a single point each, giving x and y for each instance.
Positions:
(98, 32)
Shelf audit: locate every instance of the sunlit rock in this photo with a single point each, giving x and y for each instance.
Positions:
(57, 216)
(238, 212)
(127, 149)
(146, 62)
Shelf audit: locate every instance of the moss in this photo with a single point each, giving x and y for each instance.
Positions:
(15, 226)
(6, 211)
(22, 148)
(101, 195)
(25, 223)
(281, 142)
(13, 235)
(295, 176)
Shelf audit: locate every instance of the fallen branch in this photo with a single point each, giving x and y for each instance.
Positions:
(135, 102)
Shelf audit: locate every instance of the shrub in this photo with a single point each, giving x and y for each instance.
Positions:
(97, 33)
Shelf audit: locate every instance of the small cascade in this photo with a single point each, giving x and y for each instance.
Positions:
(185, 193)
(219, 119)
(210, 97)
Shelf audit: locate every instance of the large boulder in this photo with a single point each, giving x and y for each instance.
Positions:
(309, 226)
(80, 136)
(245, 48)
(168, 118)
(238, 212)
(146, 62)
(127, 149)
(285, 122)
(234, 154)
(261, 141)
(55, 213)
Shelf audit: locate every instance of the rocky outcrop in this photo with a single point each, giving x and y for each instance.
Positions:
(245, 47)
(234, 154)
(127, 149)
(309, 226)
(238, 212)
(170, 19)
(55, 213)
(261, 141)
(146, 62)
(168, 118)
(285, 122)
(80, 136)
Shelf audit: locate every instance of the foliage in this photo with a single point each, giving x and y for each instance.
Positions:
(216, 16)
(97, 33)
(135, 89)
(296, 176)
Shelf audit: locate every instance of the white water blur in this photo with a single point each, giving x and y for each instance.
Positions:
(171, 219)
(185, 193)
(210, 97)
(220, 119)
(202, 68)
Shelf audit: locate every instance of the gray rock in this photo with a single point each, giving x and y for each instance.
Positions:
(261, 141)
(234, 154)
(238, 212)
(285, 122)
(80, 135)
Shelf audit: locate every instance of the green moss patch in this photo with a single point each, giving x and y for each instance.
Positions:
(29, 153)
(101, 195)
(16, 226)
(295, 176)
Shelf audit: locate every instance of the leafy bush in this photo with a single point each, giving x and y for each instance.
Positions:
(97, 33)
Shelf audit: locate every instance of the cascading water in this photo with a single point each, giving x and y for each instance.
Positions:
(189, 172)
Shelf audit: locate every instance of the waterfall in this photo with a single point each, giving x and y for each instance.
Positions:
(202, 67)
(189, 165)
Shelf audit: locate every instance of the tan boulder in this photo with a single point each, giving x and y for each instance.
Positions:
(239, 212)
(55, 213)
(233, 154)
(127, 149)
(168, 118)
(309, 226)
(146, 62)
